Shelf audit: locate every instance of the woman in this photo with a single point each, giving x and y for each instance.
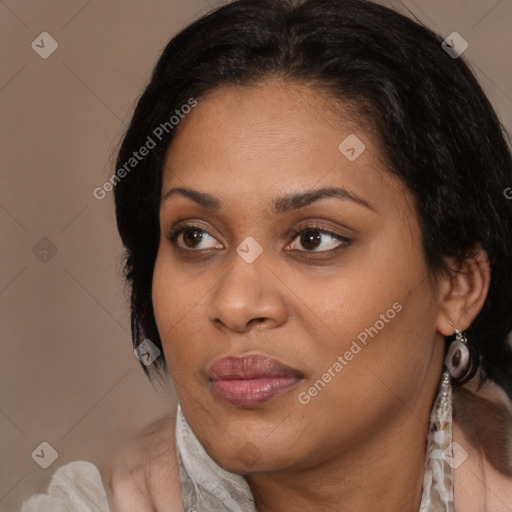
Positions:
(318, 238)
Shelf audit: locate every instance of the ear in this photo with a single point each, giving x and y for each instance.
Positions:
(462, 294)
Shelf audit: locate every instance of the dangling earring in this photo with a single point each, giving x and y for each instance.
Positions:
(457, 356)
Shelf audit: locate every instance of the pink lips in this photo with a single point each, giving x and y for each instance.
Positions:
(246, 381)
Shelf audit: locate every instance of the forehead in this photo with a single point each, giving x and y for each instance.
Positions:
(253, 144)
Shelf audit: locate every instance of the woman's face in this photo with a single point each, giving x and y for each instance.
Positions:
(341, 319)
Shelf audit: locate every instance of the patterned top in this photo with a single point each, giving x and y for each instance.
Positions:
(205, 486)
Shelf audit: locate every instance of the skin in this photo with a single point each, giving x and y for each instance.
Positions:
(359, 444)
(143, 474)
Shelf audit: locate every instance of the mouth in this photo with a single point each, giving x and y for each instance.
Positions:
(250, 380)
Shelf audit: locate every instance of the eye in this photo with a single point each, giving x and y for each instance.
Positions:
(192, 238)
(314, 237)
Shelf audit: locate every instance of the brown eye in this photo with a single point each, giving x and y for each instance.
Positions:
(311, 238)
(192, 237)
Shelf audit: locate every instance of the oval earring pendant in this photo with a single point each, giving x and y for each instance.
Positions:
(457, 359)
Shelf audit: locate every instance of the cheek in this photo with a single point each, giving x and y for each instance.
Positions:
(171, 303)
(382, 323)
(163, 296)
(179, 304)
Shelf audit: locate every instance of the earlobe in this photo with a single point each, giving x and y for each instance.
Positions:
(462, 293)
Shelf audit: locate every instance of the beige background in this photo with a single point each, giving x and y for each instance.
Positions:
(68, 375)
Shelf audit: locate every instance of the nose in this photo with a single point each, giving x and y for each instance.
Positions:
(249, 296)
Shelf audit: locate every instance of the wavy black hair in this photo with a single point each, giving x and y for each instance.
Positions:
(435, 127)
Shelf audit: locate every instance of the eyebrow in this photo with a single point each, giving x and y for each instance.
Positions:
(281, 205)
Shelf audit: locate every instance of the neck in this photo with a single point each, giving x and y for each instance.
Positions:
(383, 474)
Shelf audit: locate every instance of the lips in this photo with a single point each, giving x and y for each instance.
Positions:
(250, 380)
(250, 367)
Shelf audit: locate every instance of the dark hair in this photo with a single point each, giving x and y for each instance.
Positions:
(436, 129)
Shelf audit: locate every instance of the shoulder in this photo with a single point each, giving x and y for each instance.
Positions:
(76, 485)
(482, 435)
(144, 474)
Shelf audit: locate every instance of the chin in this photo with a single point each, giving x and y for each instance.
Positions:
(249, 456)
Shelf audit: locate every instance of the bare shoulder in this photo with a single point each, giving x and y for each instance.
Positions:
(144, 474)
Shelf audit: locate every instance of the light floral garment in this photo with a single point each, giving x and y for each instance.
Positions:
(206, 486)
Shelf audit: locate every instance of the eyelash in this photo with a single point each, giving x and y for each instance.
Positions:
(293, 234)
